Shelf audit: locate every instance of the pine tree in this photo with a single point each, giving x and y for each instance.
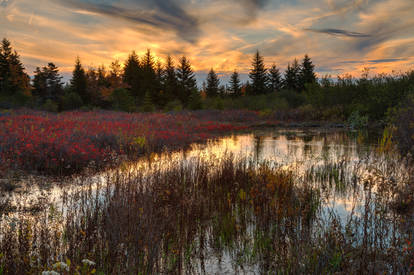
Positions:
(13, 79)
(96, 83)
(47, 83)
(213, 84)
(79, 82)
(149, 78)
(103, 79)
(307, 73)
(186, 80)
(235, 86)
(258, 75)
(132, 77)
(195, 102)
(170, 81)
(39, 85)
(161, 96)
(222, 90)
(292, 77)
(148, 105)
(275, 79)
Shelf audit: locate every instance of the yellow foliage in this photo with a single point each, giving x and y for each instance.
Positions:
(242, 195)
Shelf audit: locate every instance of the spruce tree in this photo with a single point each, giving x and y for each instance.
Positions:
(96, 83)
(292, 77)
(186, 80)
(213, 84)
(222, 90)
(235, 86)
(148, 105)
(307, 73)
(161, 96)
(132, 77)
(115, 75)
(79, 82)
(170, 81)
(195, 102)
(13, 79)
(275, 79)
(258, 75)
(39, 85)
(47, 83)
(149, 77)
(103, 79)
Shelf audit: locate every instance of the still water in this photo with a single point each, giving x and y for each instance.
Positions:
(355, 183)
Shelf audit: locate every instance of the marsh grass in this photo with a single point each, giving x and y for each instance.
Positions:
(200, 215)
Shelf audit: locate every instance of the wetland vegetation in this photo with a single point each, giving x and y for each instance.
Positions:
(266, 201)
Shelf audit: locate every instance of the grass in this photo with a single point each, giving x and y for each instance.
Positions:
(182, 217)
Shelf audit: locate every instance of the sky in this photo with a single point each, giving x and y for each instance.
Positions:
(341, 36)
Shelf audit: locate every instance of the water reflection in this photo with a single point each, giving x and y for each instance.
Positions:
(344, 183)
(298, 150)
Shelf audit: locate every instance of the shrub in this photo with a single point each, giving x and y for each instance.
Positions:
(50, 106)
(174, 105)
(195, 102)
(148, 106)
(404, 122)
(293, 98)
(357, 121)
(71, 101)
(122, 100)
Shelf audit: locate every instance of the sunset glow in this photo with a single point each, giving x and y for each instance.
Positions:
(341, 36)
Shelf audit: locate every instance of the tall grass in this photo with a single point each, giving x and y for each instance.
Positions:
(193, 215)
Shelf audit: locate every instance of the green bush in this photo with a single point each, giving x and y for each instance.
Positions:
(71, 101)
(122, 100)
(148, 106)
(357, 121)
(50, 106)
(257, 103)
(195, 102)
(174, 105)
(293, 98)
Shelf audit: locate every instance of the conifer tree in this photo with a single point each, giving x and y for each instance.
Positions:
(235, 86)
(161, 97)
(132, 77)
(222, 91)
(79, 82)
(292, 77)
(149, 77)
(97, 83)
(115, 75)
(148, 105)
(275, 79)
(195, 101)
(13, 79)
(47, 83)
(186, 80)
(307, 72)
(213, 84)
(258, 75)
(103, 79)
(170, 81)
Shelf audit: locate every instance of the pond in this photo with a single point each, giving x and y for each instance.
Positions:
(265, 201)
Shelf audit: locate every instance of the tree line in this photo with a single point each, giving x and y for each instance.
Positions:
(140, 82)
(144, 84)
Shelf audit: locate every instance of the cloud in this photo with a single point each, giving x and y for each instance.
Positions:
(339, 32)
(5, 3)
(375, 61)
(252, 7)
(162, 14)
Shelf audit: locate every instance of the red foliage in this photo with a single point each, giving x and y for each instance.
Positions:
(66, 143)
